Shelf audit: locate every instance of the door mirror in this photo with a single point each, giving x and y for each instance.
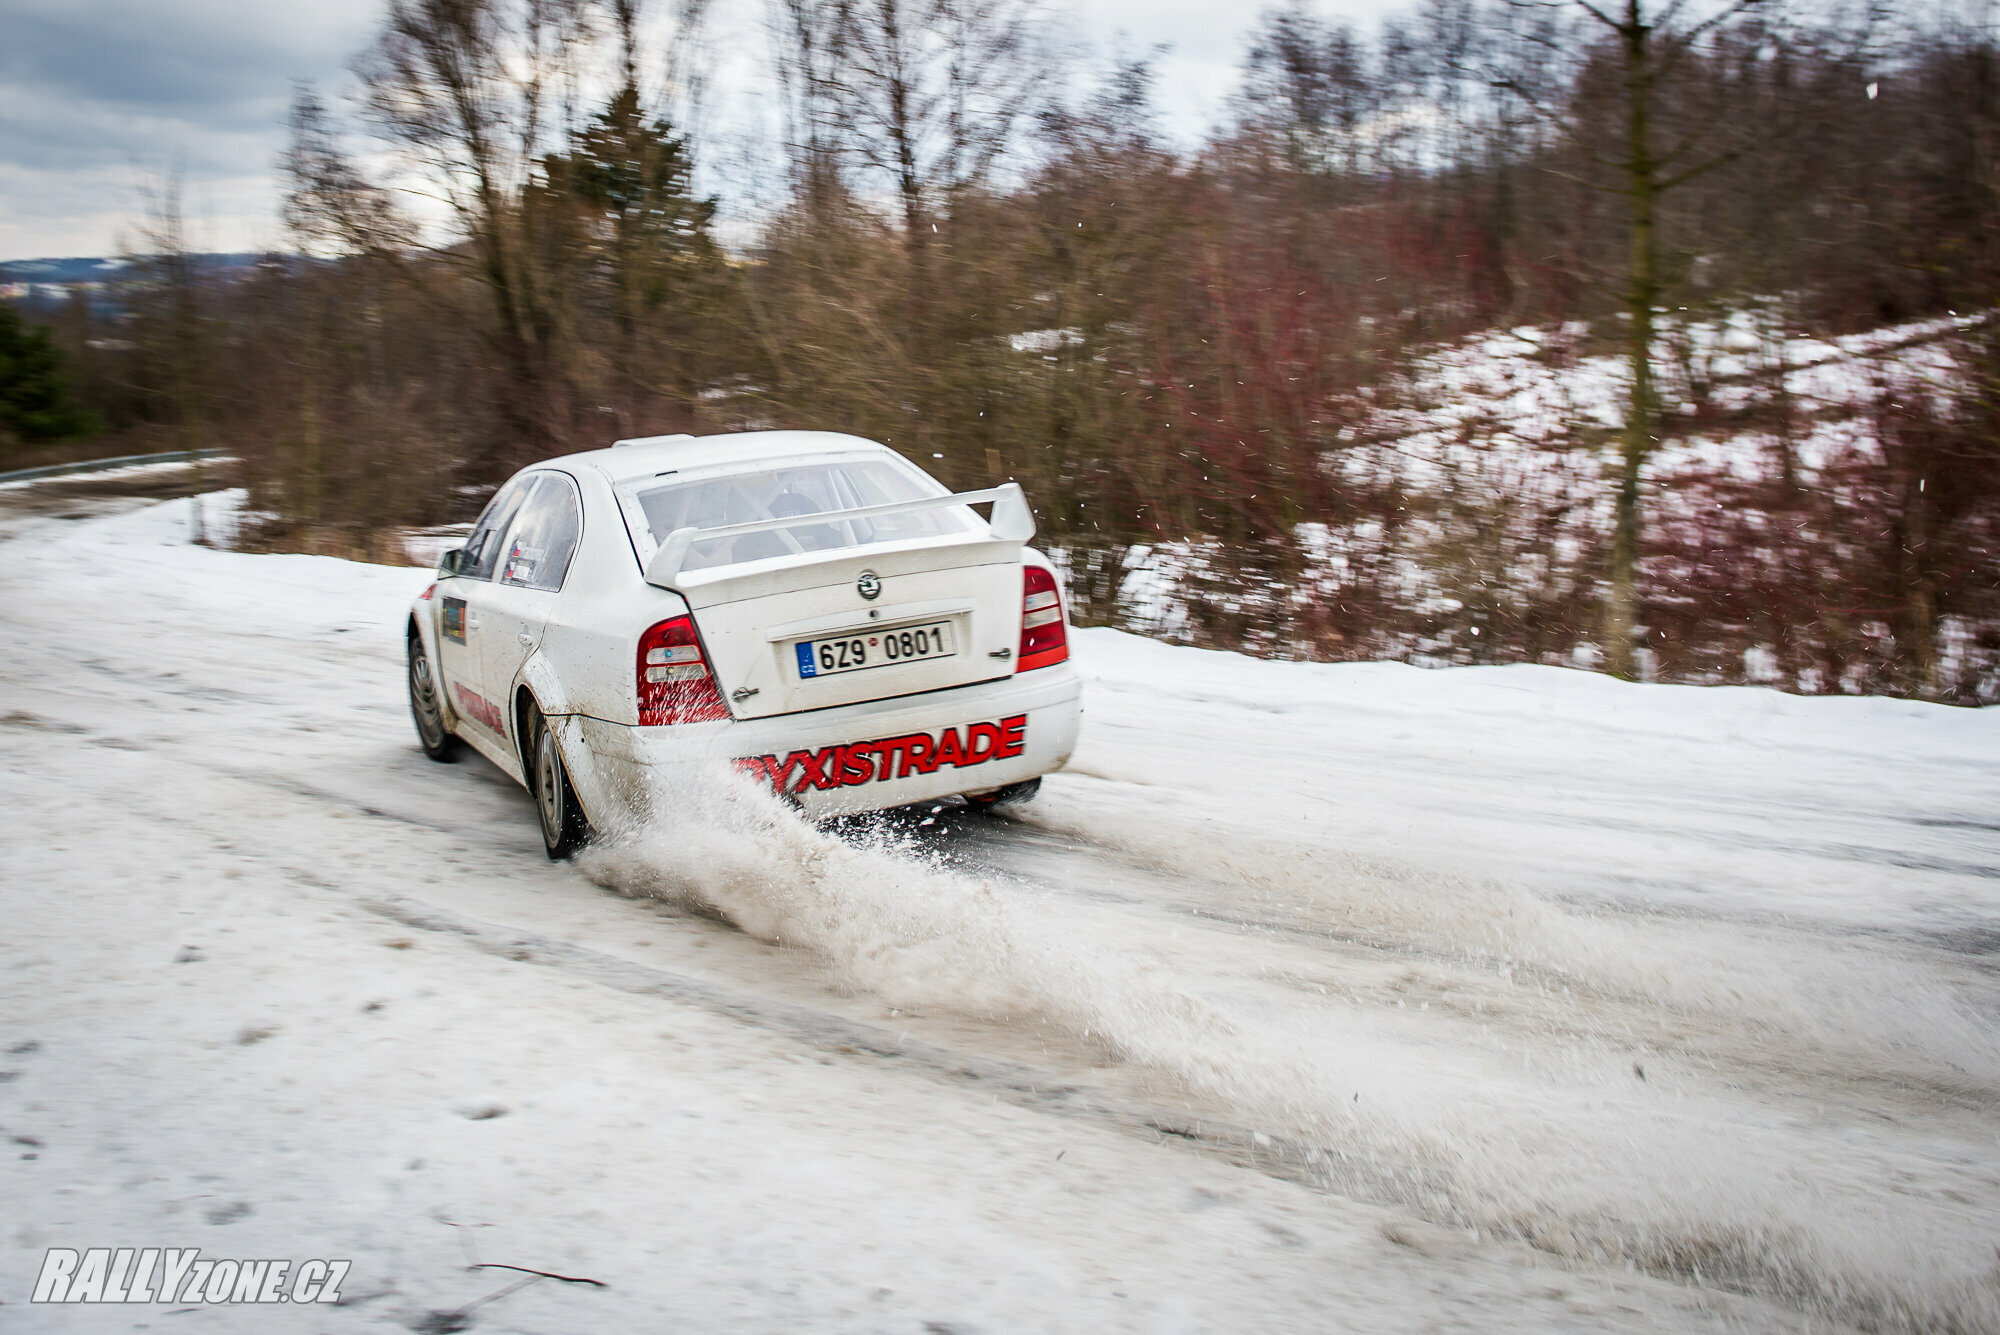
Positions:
(452, 563)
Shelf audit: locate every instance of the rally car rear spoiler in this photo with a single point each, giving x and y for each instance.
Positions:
(1011, 521)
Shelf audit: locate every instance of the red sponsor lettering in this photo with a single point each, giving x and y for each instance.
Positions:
(947, 751)
(814, 768)
(757, 767)
(892, 751)
(476, 706)
(857, 764)
(781, 770)
(887, 758)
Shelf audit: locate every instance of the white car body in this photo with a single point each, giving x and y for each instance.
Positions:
(931, 724)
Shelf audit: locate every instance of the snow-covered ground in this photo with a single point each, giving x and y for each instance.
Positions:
(1311, 997)
(1528, 388)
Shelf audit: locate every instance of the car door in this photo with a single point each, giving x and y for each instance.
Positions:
(527, 582)
(462, 628)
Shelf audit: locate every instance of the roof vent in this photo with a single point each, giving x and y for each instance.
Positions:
(652, 440)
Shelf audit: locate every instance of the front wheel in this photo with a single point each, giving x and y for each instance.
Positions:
(433, 733)
(564, 830)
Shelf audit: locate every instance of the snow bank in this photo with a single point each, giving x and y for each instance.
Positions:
(1674, 978)
(1571, 1151)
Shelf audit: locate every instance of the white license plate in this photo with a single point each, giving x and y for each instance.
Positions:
(875, 648)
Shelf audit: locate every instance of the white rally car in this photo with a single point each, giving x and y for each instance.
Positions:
(809, 609)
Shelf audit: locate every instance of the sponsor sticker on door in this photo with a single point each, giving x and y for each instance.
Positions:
(473, 705)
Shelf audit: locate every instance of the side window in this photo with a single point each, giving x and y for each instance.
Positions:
(483, 546)
(543, 540)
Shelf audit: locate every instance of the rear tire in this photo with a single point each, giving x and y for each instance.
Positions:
(564, 829)
(427, 710)
(1012, 795)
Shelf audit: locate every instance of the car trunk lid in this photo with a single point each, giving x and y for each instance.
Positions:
(804, 632)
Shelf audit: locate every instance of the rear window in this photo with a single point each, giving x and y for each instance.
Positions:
(786, 492)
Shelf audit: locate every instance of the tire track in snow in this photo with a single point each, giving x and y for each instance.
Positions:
(1848, 998)
(1388, 1184)
(1529, 1001)
(1389, 1170)
(1536, 1004)
(1660, 1188)
(1695, 1230)
(1045, 1091)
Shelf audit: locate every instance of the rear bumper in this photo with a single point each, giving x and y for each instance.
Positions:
(851, 758)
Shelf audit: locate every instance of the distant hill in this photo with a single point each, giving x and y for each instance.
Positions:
(40, 287)
(96, 269)
(58, 270)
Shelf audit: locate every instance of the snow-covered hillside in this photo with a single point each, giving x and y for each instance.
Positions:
(1309, 997)
(1476, 488)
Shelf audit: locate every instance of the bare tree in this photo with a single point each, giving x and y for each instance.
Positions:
(1649, 44)
(805, 68)
(173, 332)
(929, 93)
(330, 207)
(1649, 48)
(472, 92)
(1308, 85)
(1231, 369)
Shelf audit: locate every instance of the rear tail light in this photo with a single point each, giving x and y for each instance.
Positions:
(675, 684)
(1043, 639)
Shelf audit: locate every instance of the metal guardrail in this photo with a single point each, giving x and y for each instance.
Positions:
(106, 465)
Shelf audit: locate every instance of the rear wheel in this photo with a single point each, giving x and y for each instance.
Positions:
(1012, 795)
(564, 830)
(433, 733)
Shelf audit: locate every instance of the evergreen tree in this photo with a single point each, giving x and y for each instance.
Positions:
(34, 392)
(646, 235)
(628, 241)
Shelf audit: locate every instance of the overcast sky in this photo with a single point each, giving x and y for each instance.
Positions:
(99, 98)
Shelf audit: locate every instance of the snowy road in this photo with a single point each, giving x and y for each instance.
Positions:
(1308, 998)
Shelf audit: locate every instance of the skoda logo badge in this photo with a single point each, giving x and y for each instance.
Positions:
(868, 586)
